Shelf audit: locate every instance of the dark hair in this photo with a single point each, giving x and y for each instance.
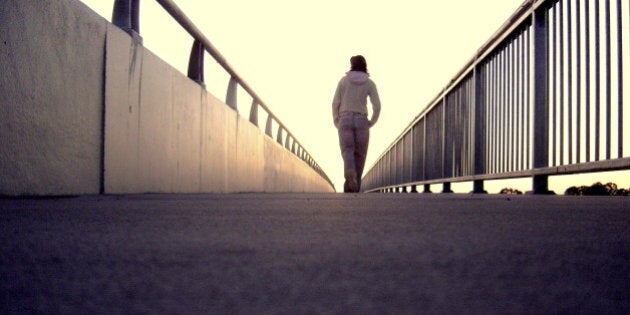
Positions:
(358, 63)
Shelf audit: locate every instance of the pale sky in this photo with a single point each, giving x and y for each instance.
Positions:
(293, 53)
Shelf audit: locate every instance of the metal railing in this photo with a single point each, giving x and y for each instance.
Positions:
(126, 16)
(544, 96)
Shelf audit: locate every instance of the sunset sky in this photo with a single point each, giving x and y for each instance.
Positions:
(293, 53)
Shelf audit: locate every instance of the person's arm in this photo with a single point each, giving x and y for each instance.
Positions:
(376, 104)
(336, 104)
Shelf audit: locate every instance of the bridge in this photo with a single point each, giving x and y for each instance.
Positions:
(128, 187)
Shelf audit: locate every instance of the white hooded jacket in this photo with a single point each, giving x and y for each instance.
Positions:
(352, 93)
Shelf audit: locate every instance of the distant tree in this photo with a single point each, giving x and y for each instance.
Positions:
(597, 189)
(510, 191)
(573, 191)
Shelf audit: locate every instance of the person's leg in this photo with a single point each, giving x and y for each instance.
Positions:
(346, 143)
(361, 141)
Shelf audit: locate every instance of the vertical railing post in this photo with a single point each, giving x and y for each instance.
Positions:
(230, 98)
(121, 15)
(135, 15)
(126, 15)
(540, 53)
(392, 167)
(389, 168)
(446, 162)
(412, 162)
(424, 148)
(279, 135)
(253, 113)
(287, 142)
(427, 189)
(479, 129)
(195, 63)
(446, 188)
(443, 142)
(268, 127)
(620, 84)
(400, 146)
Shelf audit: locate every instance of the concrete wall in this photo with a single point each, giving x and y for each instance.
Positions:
(84, 109)
(165, 133)
(51, 97)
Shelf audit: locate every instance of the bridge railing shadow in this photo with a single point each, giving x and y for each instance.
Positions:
(126, 15)
(543, 96)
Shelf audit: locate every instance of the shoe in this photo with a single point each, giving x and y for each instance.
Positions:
(351, 179)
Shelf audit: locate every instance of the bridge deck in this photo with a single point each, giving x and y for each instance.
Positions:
(251, 253)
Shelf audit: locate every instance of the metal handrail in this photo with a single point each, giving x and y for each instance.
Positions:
(516, 77)
(126, 16)
(523, 12)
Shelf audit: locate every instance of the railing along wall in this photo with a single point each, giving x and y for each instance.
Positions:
(544, 96)
(126, 15)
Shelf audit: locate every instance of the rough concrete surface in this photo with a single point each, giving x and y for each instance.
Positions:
(315, 253)
(51, 80)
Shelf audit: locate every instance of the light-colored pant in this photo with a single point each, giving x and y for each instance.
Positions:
(354, 136)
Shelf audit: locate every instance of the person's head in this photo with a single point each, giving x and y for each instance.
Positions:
(358, 63)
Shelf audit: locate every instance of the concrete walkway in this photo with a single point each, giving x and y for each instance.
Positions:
(326, 253)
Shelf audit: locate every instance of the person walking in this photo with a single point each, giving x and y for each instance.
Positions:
(350, 117)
